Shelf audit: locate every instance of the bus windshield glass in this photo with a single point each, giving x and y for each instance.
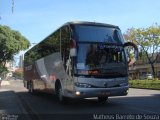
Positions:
(99, 52)
(98, 34)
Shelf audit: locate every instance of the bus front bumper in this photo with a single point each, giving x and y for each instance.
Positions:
(99, 92)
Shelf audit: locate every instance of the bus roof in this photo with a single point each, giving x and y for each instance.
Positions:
(78, 23)
(90, 24)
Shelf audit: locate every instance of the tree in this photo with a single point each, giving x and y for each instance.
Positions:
(148, 41)
(11, 42)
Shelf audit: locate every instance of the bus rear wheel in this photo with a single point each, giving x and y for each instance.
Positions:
(102, 99)
(30, 87)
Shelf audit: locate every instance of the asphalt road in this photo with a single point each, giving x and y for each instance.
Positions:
(41, 106)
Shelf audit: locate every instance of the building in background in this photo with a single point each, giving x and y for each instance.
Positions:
(21, 58)
(142, 67)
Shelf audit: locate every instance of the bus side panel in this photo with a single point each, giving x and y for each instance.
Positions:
(49, 69)
(29, 73)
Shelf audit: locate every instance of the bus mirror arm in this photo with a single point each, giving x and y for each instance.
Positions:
(132, 56)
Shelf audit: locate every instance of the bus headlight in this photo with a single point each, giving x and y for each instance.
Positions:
(78, 93)
(82, 85)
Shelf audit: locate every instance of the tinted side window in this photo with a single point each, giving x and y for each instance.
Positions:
(31, 55)
(50, 45)
(65, 44)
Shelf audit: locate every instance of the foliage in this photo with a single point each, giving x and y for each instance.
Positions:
(11, 42)
(149, 84)
(4, 69)
(148, 41)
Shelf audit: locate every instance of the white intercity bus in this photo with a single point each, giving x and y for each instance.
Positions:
(80, 60)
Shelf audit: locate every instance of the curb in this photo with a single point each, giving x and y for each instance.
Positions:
(145, 88)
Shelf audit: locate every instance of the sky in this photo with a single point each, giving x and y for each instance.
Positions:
(36, 19)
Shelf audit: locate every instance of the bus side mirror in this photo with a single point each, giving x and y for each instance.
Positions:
(73, 52)
(132, 52)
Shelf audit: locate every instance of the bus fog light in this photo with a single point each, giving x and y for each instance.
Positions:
(78, 93)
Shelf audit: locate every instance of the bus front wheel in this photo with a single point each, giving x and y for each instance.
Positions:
(60, 96)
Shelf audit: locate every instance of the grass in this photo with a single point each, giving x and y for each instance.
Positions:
(148, 84)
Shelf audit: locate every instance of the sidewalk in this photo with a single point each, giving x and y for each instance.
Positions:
(4, 82)
(10, 105)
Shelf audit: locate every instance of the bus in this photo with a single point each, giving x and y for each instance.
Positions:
(80, 60)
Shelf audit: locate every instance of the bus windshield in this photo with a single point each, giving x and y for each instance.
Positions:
(98, 34)
(98, 55)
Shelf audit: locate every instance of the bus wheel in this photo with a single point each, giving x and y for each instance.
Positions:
(30, 88)
(60, 96)
(102, 99)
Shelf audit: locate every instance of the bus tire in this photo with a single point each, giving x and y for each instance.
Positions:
(30, 87)
(60, 96)
(102, 99)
